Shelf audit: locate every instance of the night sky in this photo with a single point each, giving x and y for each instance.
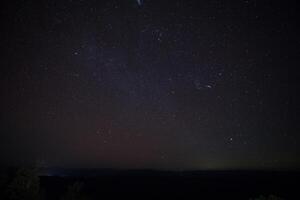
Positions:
(156, 84)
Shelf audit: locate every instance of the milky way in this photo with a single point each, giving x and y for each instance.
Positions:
(140, 2)
(168, 85)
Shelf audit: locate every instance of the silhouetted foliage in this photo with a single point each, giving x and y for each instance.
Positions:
(270, 197)
(3, 183)
(24, 185)
(74, 192)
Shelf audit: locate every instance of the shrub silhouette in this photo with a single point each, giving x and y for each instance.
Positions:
(74, 192)
(25, 185)
(3, 183)
(270, 197)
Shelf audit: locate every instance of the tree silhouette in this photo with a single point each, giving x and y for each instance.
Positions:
(24, 185)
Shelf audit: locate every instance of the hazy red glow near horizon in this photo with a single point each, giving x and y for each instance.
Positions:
(149, 84)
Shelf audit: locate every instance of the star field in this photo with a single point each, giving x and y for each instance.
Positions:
(149, 84)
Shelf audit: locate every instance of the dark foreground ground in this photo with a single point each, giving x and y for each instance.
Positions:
(175, 185)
